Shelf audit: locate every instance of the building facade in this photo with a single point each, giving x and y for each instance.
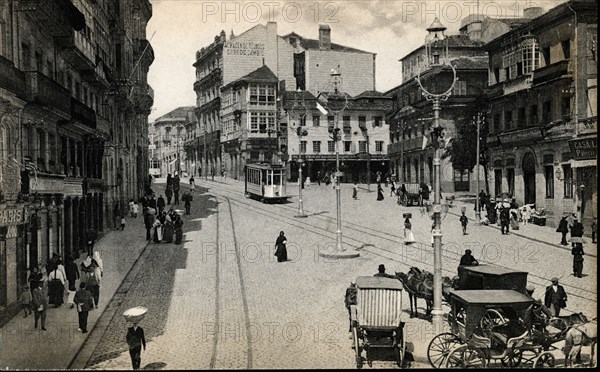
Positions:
(363, 139)
(412, 116)
(61, 129)
(170, 134)
(543, 123)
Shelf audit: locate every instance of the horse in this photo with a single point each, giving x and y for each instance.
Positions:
(418, 284)
(578, 336)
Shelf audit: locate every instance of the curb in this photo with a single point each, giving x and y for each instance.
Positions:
(104, 312)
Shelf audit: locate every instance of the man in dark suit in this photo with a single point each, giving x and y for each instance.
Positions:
(556, 297)
(381, 272)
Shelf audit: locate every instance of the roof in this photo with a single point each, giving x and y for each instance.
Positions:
(466, 63)
(491, 270)
(370, 94)
(491, 296)
(313, 44)
(265, 166)
(262, 73)
(378, 282)
(178, 113)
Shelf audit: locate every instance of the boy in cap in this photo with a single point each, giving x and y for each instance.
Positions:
(464, 221)
(555, 298)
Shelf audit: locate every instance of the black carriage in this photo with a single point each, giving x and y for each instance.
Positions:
(487, 276)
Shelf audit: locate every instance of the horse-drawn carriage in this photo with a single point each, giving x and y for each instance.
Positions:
(487, 276)
(487, 326)
(375, 310)
(408, 193)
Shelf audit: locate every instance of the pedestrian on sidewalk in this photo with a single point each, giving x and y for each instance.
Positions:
(355, 191)
(379, 192)
(56, 287)
(393, 188)
(152, 203)
(91, 237)
(135, 340)
(169, 193)
(176, 188)
(576, 232)
(555, 298)
(131, 207)
(505, 217)
(192, 184)
(577, 252)
(168, 228)
(25, 300)
(409, 238)
(563, 229)
(93, 283)
(464, 221)
(157, 230)
(116, 216)
(491, 211)
(38, 300)
(136, 208)
(280, 248)
(160, 204)
(525, 214)
(149, 221)
(72, 275)
(85, 302)
(178, 227)
(123, 222)
(187, 198)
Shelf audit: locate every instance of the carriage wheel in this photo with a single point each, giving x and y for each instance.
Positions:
(439, 348)
(545, 360)
(491, 319)
(513, 359)
(357, 349)
(465, 357)
(401, 351)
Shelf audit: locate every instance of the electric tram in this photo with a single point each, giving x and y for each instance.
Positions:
(265, 182)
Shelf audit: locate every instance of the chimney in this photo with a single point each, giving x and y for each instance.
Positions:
(533, 12)
(324, 37)
(222, 36)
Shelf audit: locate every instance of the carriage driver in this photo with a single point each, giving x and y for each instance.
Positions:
(538, 308)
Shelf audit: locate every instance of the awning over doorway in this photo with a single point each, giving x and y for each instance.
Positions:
(583, 163)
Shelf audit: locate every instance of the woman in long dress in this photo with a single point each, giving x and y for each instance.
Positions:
(514, 219)
(168, 230)
(281, 250)
(379, 192)
(56, 287)
(157, 231)
(409, 238)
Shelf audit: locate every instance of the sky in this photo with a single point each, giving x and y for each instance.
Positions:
(389, 28)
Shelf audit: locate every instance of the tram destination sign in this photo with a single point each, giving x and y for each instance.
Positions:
(583, 149)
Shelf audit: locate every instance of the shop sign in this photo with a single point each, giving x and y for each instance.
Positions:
(585, 148)
(46, 185)
(244, 49)
(526, 135)
(12, 216)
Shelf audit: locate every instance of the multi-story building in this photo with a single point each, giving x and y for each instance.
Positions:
(170, 133)
(542, 135)
(60, 128)
(412, 115)
(363, 132)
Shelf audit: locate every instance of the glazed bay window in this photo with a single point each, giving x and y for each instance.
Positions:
(530, 51)
(261, 95)
(261, 121)
(549, 174)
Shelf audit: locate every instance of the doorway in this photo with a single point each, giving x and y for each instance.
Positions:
(528, 167)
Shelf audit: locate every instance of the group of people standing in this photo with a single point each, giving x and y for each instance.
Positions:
(44, 290)
(570, 222)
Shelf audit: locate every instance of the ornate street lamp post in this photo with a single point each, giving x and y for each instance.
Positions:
(479, 120)
(335, 102)
(436, 48)
(300, 110)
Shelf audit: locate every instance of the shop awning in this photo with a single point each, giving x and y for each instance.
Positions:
(583, 163)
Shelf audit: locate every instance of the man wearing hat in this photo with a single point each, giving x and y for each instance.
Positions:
(381, 272)
(563, 228)
(468, 260)
(538, 309)
(556, 297)
(505, 217)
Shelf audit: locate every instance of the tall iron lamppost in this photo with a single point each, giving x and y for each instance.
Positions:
(299, 109)
(436, 48)
(335, 102)
(479, 120)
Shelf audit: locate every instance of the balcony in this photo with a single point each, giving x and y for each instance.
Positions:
(97, 77)
(11, 78)
(141, 45)
(144, 99)
(78, 50)
(55, 17)
(44, 91)
(82, 113)
(551, 71)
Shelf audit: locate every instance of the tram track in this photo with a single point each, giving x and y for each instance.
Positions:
(219, 284)
(389, 254)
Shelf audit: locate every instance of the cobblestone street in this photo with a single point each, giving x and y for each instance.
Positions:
(220, 300)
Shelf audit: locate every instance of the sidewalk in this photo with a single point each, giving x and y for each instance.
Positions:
(24, 347)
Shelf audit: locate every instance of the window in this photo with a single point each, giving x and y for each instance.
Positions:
(316, 147)
(303, 147)
(316, 120)
(566, 108)
(330, 146)
(519, 68)
(378, 146)
(303, 120)
(533, 115)
(508, 119)
(546, 54)
(498, 181)
(377, 121)
(261, 121)
(52, 150)
(566, 48)
(496, 75)
(362, 122)
(568, 181)
(521, 120)
(547, 112)
(347, 146)
(362, 146)
(510, 180)
(253, 123)
(460, 88)
(496, 123)
(331, 121)
(262, 95)
(530, 56)
(549, 173)
(41, 160)
(346, 121)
